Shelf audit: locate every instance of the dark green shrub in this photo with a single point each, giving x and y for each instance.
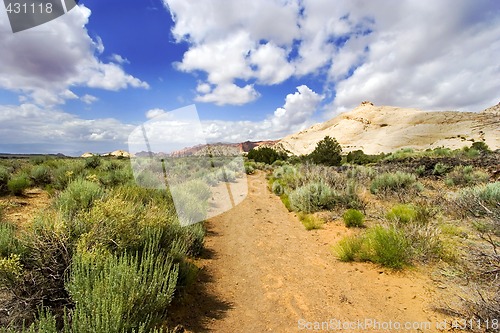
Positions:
(92, 162)
(481, 146)
(41, 175)
(18, 184)
(266, 155)
(4, 178)
(327, 152)
(360, 158)
(353, 218)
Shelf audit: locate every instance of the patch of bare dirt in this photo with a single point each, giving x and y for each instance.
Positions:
(22, 209)
(262, 271)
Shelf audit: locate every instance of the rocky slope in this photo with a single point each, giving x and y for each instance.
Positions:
(376, 129)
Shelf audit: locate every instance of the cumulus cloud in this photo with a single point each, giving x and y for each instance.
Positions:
(89, 99)
(407, 53)
(45, 75)
(56, 131)
(295, 115)
(150, 114)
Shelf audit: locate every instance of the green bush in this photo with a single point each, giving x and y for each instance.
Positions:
(387, 247)
(360, 158)
(480, 200)
(79, 195)
(481, 146)
(353, 218)
(312, 197)
(440, 169)
(277, 188)
(4, 178)
(348, 248)
(249, 169)
(387, 183)
(310, 222)
(402, 213)
(327, 152)
(41, 175)
(465, 175)
(9, 243)
(266, 155)
(18, 184)
(121, 293)
(92, 162)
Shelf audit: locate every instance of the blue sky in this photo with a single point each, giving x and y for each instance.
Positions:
(255, 69)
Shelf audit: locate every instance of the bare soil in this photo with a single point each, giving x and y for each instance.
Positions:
(262, 271)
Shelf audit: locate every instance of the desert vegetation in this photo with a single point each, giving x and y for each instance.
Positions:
(437, 208)
(105, 256)
(108, 255)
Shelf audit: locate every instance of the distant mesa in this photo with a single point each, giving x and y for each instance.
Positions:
(116, 153)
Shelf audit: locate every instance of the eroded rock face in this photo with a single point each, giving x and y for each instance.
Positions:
(376, 129)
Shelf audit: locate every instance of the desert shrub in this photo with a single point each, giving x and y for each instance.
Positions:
(465, 175)
(288, 176)
(18, 184)
(78, 196)
(277, 188)
(420, 170)
(480, 200)
(360, 158)
(9, 243)
(353, 218)
(249, 169)
(440, 169)
(481, 146)
(226, 175)
(4, 178)
(121, 293)
(92, 162)
(402, 214)
(266, 155)
(312, 197)
(361, 173)
(387, 183)
(348, 248)
(327, 152)
(41, 175)
(425, 243)
(387, 247)
(45, 258)
(310, 222)
(112, 224)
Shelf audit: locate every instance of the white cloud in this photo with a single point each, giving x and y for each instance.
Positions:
(119, 59)
(154, 113)
(57, 131)
(407, 53)
(293, 116)
(229, 94)
(89, 99)
(45, 62)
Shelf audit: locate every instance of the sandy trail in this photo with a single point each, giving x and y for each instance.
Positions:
(263, 272)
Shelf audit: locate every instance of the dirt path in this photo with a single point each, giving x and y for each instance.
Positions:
(263, 272)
